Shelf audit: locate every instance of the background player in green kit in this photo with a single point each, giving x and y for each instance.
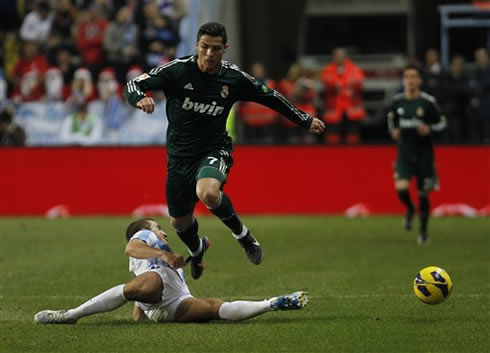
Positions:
(412, 118)
(200, 91)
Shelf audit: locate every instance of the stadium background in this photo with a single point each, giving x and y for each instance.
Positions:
(49, 176)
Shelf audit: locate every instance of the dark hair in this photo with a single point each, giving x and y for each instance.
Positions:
(136, 226)
(213, 29)
(412, 67)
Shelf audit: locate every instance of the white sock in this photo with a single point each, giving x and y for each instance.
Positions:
(242, 234)
(242, 310)
(110, 300)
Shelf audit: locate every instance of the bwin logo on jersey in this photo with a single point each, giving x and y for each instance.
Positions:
(210, 109)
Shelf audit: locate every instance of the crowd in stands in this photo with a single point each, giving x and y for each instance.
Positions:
(79, 54)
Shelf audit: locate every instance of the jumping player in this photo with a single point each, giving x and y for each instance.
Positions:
(200, 91)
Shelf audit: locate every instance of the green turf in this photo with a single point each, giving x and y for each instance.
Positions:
(358, 272)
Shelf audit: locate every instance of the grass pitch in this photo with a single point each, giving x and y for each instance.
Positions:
(358, 273)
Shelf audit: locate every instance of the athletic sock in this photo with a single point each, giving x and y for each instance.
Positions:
(424, 207)
(242, 310)
(110, 300)
(227, 214)
(404, 197)
(191, 238)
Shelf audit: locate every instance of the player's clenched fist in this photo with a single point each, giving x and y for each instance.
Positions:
(317, 126)
(146, 104)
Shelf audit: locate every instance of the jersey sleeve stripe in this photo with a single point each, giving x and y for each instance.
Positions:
(302, 116)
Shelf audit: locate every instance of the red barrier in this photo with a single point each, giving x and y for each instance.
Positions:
(114, 181)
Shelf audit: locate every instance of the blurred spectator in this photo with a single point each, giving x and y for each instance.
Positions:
(174, 10)
(121, 43)
(28, 74)
(258, 122)
(64, 20)
(157, 54)
(37, 24)
(157, 28)
(11, 134)
(134, 71)
(89, 39)
(343, 104)
(54, 85)
(432, 73)
(82, 87)
(300, 91)
(480, 97)
(64, 63)
(114, 109)
(81, 127)
(454, 101)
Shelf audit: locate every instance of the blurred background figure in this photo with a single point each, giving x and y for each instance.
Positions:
(65, 15)
(89, 39)
(258, 123)
(11, 134)
(28, 74)
(54, 86)
(454, 101)
(37, 24)
(432, 72)
(343, 103)
(480, 97)
(299, 90)
(82, 87)
(121, 43)
(81, 127)
(113, 110)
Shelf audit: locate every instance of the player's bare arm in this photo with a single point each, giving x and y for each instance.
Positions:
(317, 126)
(139, 250)
(138, 314)
(146, 104)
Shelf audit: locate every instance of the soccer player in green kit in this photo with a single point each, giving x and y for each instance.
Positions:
(200, 91)
(412, 118)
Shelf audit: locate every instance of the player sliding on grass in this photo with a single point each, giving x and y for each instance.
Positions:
(159, 289)
(200, 91)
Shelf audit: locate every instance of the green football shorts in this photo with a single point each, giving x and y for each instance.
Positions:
(182, 177)
(423, 169)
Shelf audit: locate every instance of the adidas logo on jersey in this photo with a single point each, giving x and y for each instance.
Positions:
(189, 86)
(210, 109)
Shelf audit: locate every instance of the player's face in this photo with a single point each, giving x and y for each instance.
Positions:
(157, 229)
(411, 80)
(210, 51)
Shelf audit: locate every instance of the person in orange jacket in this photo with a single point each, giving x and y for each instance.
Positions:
(343, 108)
(300, 90)
(258, 122)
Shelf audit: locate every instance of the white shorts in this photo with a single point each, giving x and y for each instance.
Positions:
(174, 291)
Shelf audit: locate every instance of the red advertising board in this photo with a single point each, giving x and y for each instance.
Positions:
(281, 180)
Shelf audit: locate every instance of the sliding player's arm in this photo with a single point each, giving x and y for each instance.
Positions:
(139, 249)
(258, 91)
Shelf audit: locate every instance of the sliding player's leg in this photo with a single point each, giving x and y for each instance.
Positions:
(145, 288)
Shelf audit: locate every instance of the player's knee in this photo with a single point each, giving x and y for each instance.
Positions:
(402, 184)
(208, 195)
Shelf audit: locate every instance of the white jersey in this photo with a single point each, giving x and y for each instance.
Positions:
(138, 266)
(174, 287)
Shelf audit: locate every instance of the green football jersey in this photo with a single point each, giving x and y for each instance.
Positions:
(198, 104)
(408, 114)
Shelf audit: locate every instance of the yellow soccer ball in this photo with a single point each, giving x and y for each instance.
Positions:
(432, 285)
